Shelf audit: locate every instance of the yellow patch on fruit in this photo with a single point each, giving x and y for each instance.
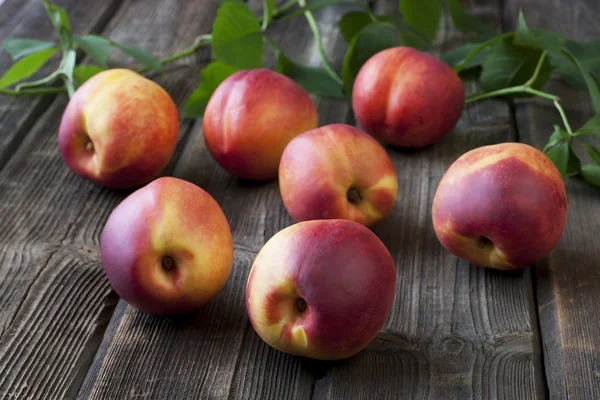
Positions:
(470, 248)
(525, 157)
(120, 116)
(169, 238)
(299, 337)
(389, 182)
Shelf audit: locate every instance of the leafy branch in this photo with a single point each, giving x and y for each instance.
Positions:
(507, 64)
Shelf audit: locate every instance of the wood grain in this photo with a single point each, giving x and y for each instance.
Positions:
(52, 339)
(464, 332)
(254, 370)
(28, 19)
(568, 282)
(47, 208)
(187, 357)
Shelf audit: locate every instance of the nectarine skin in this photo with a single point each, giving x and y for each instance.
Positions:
(321, 289)
(167, 248)
(407, 98)
(501, 206)
(319, 169)
(251, 117)
(119, 129)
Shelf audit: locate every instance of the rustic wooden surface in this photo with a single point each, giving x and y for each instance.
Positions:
(455, 331)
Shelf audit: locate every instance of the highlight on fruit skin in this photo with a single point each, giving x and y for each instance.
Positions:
(407, 98)
(119, 129)
(501, 206)
(251, 117)
(337, 172)
(167, 248)
(321, 289)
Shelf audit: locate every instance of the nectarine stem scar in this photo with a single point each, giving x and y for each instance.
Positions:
(168, 263)
(354, 196)
(301, 305)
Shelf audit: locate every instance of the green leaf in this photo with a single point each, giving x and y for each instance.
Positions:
(589, 80)
(424, 15)
(409, 36)
(470, 54)
(82, 73)
(66, 70)
(588, 53)
(557, 136)
(464, 21)
(352, 22)
(61, 23)
(26, 67)
(536, 38)
(269, 7)
(140, 55)
(237, 38)
(210, 78)
(591, 174)
(509, 65)
(97, 47)
(591, 128)
(370, 40)
(564, 158)
(313, 80)
(591, 150)
(456, 56)
(18, 48)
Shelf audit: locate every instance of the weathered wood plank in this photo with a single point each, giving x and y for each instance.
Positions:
(459, 331)
(45, 208)
(253, 210)
(51, 341)
(28, 19)
(568, 284)
(187, 357)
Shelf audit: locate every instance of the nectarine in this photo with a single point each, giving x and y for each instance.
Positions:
(321, 289)
(501, 206)
(407, 98)
(119, 129)
(337, 171)
(251, 117)
(167, 248)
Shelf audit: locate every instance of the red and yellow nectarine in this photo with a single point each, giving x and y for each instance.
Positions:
(119, 129)
(251, 117)
(501, 206)
(407, 98)
(167, 248)
(321, 289)
(337, 171)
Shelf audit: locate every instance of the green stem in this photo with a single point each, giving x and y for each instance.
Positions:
(524, 89)
(200, 42)
(564, 117)
(317, 34)
(510, 90)
(538, 68)
(33, 92)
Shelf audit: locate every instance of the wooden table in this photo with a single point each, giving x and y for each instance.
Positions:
(455, 332)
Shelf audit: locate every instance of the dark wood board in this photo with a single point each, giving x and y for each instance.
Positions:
(28, 19)
(568, 283)
(253, 370)
(49, 212)
(456, 330)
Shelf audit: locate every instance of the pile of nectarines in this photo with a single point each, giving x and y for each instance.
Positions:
(324, 286)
